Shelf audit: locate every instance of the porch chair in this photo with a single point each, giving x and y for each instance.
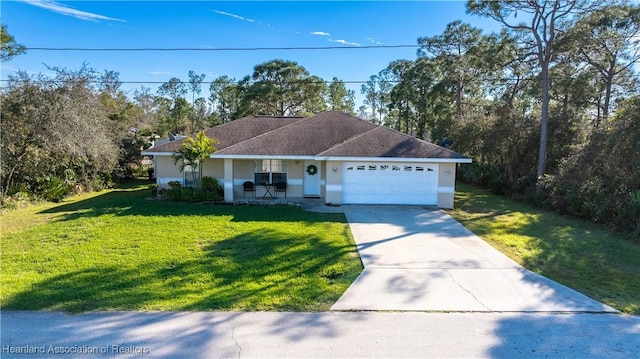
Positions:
(248, 187)
(281, 187)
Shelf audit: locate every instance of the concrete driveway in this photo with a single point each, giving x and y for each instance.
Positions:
(418, 259)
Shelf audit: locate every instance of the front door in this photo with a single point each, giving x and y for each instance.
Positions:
(311, 187)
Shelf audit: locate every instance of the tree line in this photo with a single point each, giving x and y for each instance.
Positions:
(548, 108)
(77, 130)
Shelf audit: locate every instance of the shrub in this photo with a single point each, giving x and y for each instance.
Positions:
(17, 199)
(188, 194)
(211, 185)
(634, 217)
(52, 188)
(601, 180)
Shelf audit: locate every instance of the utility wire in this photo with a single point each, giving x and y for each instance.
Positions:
(284, 82)
(217, 48)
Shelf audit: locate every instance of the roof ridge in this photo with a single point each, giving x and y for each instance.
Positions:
(276, 116)
(266, 133)
(348, 114)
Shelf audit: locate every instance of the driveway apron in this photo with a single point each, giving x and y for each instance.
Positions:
(421, 259)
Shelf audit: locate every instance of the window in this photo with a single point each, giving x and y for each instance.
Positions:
(407, 168)
(419, 169)
(395, 168)
(191, 177)
(372, 167)
(361, 168)
(270, 171)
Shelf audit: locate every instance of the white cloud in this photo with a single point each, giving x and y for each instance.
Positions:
(233, 16)
(373, 41)
(345, 42)
(320, 33)
(65, 10)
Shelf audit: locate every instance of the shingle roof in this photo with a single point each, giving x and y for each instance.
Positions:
(328, 134)
(385, 142)
(307, 137)
(235, 132)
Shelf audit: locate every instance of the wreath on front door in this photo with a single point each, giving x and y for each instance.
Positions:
(312, 170)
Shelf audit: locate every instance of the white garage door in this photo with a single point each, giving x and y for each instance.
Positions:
(390, 183)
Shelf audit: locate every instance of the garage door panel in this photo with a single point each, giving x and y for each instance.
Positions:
(390, 183)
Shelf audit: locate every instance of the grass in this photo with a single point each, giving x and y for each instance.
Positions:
(119, 250)
(581, 255)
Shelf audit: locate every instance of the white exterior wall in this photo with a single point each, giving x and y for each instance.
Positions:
(446, 185)
(333, 182)
(166, 171)
(232, 173)
(213, 167)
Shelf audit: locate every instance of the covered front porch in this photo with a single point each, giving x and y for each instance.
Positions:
(254, 179)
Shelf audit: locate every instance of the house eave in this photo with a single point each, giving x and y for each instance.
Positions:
(394, 159)
(151, 153)
(350, 159)
(258, 157)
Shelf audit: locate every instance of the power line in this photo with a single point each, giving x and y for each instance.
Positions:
(301, 82)
(218, 48)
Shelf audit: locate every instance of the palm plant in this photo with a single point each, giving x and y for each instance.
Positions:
(193, 152)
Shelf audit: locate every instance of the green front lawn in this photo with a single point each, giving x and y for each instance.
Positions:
(119, 250)
(576, 253)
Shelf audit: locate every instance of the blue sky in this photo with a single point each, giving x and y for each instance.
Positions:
(201, 24)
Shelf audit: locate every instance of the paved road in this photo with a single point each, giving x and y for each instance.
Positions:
(423, 260)
(321, 335)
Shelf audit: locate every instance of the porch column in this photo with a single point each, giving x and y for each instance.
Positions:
(228, 180)
(333, 182)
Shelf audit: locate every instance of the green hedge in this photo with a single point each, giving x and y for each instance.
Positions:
(211, 192)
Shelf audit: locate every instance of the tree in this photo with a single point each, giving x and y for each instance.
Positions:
(179, 112)
(609, 40)
(55, 130)
(123, 115)
(339, 98)
(197, 115)
(543, 29)
(10, 48)
(601, 179)
(148, 110)
(193, 153)
(173, 89)
(283, 88)
(415, 97)
(400, 104)
(431, 99)
(465, 56)
(202, 113)
(375, 92)
(225, 96)
(176, 108)
(195, 83)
